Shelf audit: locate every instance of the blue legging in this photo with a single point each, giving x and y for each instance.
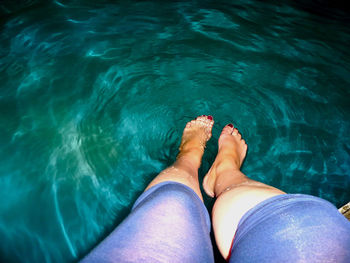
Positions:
(169, 223)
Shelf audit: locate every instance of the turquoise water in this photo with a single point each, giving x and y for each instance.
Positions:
(94, 98)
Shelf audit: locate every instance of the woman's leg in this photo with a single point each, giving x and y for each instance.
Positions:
(185, 170)
(284, 228)
(235, 192)
(168, 222)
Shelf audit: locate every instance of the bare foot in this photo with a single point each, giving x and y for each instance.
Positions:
(196, 133)
(232, 151)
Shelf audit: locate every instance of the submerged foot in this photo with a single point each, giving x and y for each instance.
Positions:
(232, 151)
(195, 135)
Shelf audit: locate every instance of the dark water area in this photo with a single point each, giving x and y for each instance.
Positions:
(94, 96)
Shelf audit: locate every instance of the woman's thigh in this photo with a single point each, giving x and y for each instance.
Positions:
(168, 223)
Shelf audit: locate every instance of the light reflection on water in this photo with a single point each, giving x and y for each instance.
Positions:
(94, 98)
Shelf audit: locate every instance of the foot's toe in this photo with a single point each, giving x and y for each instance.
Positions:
(228, 129)
(208, 122)
(201, 118)
(235, 132)
(205, 120)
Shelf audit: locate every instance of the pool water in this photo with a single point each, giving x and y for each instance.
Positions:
(94, 98)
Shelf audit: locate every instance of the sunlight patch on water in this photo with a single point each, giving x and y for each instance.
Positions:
(95, 96)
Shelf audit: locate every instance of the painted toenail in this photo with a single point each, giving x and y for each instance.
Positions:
(210, 117)
(230, 125)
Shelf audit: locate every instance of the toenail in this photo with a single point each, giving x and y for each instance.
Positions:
(210, 117)
(230, 125)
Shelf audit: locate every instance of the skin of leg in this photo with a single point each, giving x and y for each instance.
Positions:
(185, 169)
(231, 205)
(182, 171)
(235, 192)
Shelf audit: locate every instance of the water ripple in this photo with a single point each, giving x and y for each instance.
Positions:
(95, 96)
